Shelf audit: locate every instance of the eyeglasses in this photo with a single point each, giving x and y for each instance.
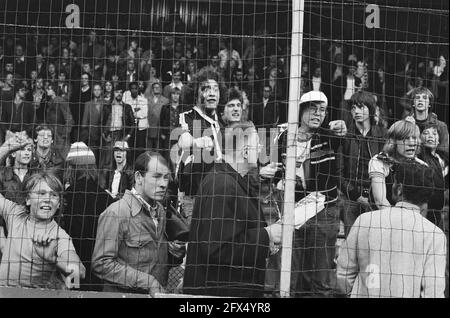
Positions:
(315, 109)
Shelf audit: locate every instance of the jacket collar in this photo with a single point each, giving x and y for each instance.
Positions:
(136, 205)
(407, 206)
(133, 203)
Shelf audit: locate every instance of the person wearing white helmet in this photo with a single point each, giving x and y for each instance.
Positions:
(316, 177)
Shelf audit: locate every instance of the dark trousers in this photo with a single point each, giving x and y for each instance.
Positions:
(314, 250)
(154, 144)
(139, 142)
(349, 211)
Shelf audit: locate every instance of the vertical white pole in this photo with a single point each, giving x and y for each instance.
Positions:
(294, 97)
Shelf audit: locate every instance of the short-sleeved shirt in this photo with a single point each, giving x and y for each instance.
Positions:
(21, 265)
(377, 165)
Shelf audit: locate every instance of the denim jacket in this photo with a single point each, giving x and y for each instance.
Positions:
(130, 251)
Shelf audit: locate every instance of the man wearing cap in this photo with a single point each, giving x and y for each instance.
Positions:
(155, 103)
(314, 242)
(118, 124)
(118, 177)
(17, 115)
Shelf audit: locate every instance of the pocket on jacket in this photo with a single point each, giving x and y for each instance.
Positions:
(139, 249)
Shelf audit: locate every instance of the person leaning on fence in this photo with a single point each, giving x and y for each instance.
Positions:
(363, 141)
(436, 159)
(402, 145)
(395, 251)
(316, 171)
(131, 251)
(229, 240)
(37, 249)
(201, 126)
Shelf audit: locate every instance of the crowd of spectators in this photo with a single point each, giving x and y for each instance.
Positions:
(93, 119)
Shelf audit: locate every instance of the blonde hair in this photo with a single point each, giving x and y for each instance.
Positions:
(401, 130)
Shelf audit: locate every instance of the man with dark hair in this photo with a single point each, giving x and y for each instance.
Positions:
(118, 125)
(422, 103)
(396, 252)
(139, 104)
(59, 118)
(79, 99)
(199, 139)
(92, 120)
(177, 82)
(18, 114)
(232, 111)
(44, 155)
(364, 140)
(229, 240)
(156, 102)
(131, 251)
(20, 63)
(265, 113)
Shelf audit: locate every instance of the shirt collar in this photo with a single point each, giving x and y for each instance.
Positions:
(408, 206)
(179, 85)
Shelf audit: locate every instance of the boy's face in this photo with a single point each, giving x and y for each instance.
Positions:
(43, 201)
(120, 156)
(421, 102)
(23, 156)
(175, 97)
(51, 68)
(430, 138)
(22, 92)
(233, 111)
(408, 147)
(9, 67)
(360, 113)
(44, 139)
(97, 91)
(314, 115)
